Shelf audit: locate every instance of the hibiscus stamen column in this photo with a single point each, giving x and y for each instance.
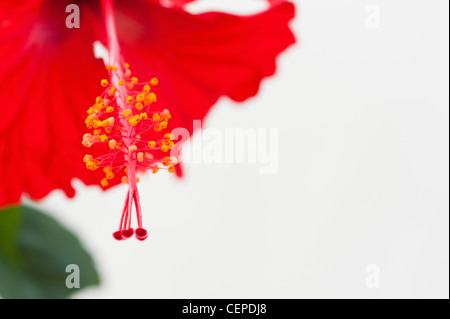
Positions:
(120, 117)
(127, 129)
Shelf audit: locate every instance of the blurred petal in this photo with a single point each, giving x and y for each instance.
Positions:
(48, 77)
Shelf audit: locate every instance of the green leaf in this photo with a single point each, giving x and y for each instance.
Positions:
(34, 253)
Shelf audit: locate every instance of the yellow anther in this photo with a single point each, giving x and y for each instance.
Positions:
(154, 81)
(137, 179)
(152, 144)
(104, 182)
(165, 148)
(170, 144)
(140, 97)
(132, 148)
(87, 158)
(146, 88)
(126, 113)
(127, 65)
(114, 68)
(107, 169)
(103, 138)
(112, 144)
(156, 117)
(124, 179)
(140, 157)
(166, 161)
(87, 140)
(130, 99)
(110, 175)
(169, 136)
(98, 99)
(171, 169)
(96, 132)
(108, 67)
(112, 90)
(166, 115)
(127, 73)
(173, 160)
(138, 106)
(109, 109)
(92, 165)
(143, 116)
(134, 80)
(121, 82)
(155, 169)
(152, 96)
(125, 171)
(132, 122)
(109, 121)
(104, 83)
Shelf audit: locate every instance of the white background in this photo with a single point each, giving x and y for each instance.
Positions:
(362, 115)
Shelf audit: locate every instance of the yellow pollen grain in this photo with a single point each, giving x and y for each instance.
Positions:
(87, 158)
(110, 175)
(92, 165)
(140, 97)
(126, 113)
(156, 117)
(104, 83)
(103, 138)
(166, 114)
(169, 136)
(104, 182)
(129, 99)
(138, 106)
(134, 80)
(109, 109)
(152, 96)
(114, 68)
(154, 81)
(152, 144)
(112, 144)
(171, 169)
(121, 82)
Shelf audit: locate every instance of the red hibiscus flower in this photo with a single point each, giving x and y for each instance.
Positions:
(49, 76)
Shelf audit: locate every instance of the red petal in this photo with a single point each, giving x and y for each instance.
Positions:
(48, 78)
(199, 58)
